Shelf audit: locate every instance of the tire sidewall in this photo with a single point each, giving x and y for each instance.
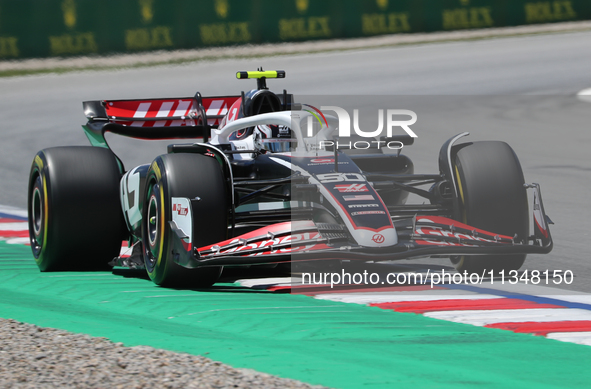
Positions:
(154, 255)
(39, 180)
(165, 179)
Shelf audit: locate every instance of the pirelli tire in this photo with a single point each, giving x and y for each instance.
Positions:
(75, 218)
(492, 197)
(189, 176)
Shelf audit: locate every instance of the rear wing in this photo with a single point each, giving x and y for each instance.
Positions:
(177, 118)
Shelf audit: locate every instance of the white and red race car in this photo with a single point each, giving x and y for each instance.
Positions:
(266, 184)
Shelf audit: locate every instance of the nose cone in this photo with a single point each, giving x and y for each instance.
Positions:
(375, 238)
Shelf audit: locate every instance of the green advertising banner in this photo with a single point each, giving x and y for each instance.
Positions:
(50, 28)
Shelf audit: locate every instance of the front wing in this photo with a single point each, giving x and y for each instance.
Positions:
(420, 236)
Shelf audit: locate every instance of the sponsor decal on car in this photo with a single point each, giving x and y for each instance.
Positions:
(351, 188)
(358, 198)
(364, 206)
(180, 210)
(173, 112)
(264, 243)
(340, 177)
(378, 238)
(182, 217)
(325, 161)
(368, 213)
(436, 231)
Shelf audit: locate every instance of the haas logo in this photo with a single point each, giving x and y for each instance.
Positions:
(378, 238)
(351, 188)
(180, 210)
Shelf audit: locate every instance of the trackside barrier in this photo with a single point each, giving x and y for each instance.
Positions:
(49, 28)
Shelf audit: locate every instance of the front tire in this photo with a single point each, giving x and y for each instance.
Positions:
(493, 197)
(189, 176)
(75, 218)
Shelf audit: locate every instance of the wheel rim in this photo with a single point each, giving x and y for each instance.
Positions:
(37, 217)
(152, 221)
(151, 235)
(37, 211)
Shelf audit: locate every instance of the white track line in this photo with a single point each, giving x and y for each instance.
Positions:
(482, 318)
(391, 297)
(24, 226)
(13, 211)
(585, 95)
(17, 240)
(572, 337)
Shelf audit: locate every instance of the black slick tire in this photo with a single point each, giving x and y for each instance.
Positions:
(75, 217)
(492, 195)
(189, 176)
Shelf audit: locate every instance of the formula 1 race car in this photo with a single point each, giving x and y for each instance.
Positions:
(268, 182)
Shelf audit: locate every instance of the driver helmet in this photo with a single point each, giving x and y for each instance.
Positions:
(276, 138)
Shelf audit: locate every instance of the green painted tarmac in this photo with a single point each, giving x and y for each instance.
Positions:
(320, 342)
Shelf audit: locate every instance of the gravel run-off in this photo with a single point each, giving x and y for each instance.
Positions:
(37, 357)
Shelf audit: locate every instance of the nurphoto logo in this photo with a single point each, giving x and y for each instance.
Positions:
(393, 118)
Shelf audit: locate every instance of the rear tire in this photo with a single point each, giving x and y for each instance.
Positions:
(190, 176)
(75, 218)
(493, 198)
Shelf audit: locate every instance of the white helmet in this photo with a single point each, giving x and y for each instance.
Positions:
(274, 138)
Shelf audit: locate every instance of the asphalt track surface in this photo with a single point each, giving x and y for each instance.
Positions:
(520, 90)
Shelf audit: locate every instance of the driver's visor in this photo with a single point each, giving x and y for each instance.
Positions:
(279, 145)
